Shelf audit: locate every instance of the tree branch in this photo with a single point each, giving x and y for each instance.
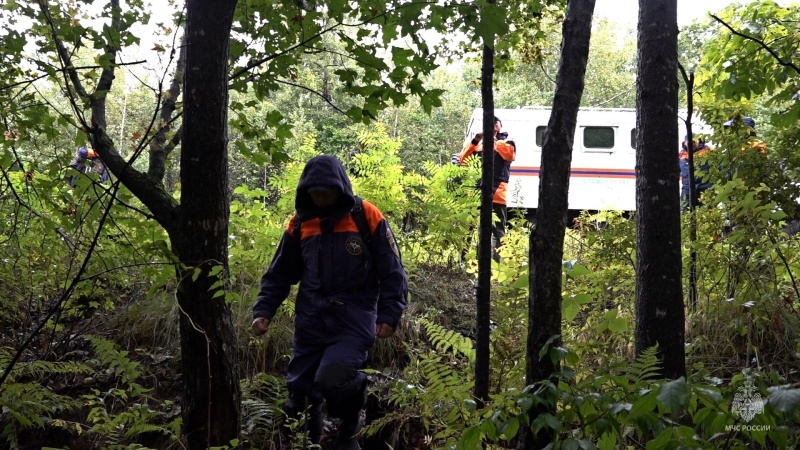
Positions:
(759, 42)
(318, 94)
(160, 147)
(258, 62)
(148, 190)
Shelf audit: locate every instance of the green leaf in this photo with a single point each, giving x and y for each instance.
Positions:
(492, 22)
(612, 323)
(552, 422)
(784, 400)
(525, 403)
(470, 404)
(778, 215)
(608, 441)
(471, 439)
(510, 428)
(665, 440)
(674, 395)
(571, 305)
(573, 269)
(569, 445)
(644, 405)
(711, 393)
(489, 427)
(368, 60)
(617, 408)
(521, 283)
(546, 347)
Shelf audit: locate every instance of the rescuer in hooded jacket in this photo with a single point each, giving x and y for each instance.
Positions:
(351, 292)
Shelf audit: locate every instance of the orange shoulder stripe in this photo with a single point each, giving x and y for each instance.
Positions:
(373, 214)
(291, 224)
(311, 227)
(308, 228)
(345, 225)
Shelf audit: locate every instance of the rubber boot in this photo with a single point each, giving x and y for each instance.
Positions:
(348, 434)
(351, 424)
(316, 424)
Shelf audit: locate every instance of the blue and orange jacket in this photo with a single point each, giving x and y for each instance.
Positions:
(346, 286)
(504, 154)
(700, 184)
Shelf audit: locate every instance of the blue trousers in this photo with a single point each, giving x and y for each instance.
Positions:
(330, 372)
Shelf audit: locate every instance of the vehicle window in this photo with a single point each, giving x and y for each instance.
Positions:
(540, 135)
(633, 138)
(598, 137)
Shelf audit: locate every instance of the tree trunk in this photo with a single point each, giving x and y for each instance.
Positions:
(660, 317)
(547, 239)
(200, 240)
(484, 290)
(198, 228)
(692, 289)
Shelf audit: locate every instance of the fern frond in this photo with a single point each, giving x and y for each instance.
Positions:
(116, 360)
(646, 367)
(257, 414)
(445, 340)
(377, 425)
(28, 405)
(141, 428)
(39, 369)
(260, 397)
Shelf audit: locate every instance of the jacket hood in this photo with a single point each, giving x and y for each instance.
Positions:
(324, 170)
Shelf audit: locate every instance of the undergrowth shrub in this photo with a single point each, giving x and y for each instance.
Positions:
(28, 404)
(746, 313)
(261, 415)
(433, 393)
(114, 410)
(627, 406)
(599, 281)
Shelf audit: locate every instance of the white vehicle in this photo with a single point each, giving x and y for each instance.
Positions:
(603, 175)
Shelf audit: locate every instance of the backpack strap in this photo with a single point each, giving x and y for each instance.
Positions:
(296, 228)
(360, 218)
(361, 221)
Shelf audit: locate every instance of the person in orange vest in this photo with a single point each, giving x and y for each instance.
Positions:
(505, 151)
(753, 142)
(86, 160)
(729, 168)
(699, 149)
(744, 128)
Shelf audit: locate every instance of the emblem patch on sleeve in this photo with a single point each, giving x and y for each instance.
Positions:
(392, 243)
(354, 245)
